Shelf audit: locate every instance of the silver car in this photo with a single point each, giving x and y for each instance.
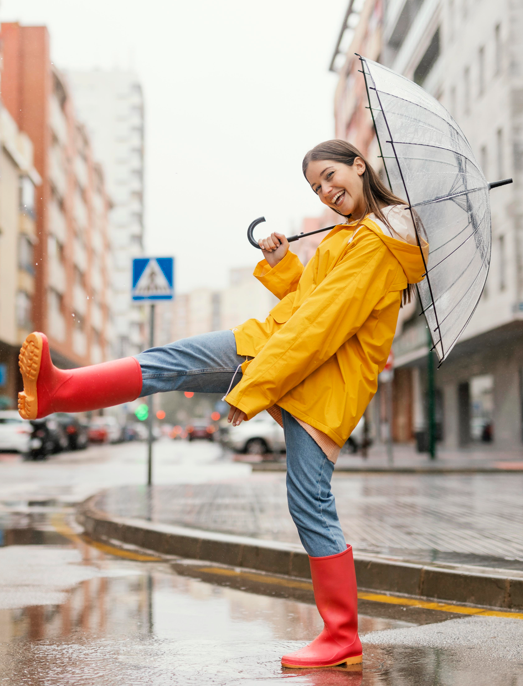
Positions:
(258, 436)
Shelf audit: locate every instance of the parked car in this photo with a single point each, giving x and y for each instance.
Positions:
(104, 430)
(355, 440)
(15, 432)
(48, 437)
(258, 436)
(76, 431)
(200, 428)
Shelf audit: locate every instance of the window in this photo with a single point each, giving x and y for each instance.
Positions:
(25, 254)
(498, 50)
(502, 263)
(27, 196)
(23, 310)
(428, 60)
(481, 70)
(466, 89)
(483, 156)
(500, 160)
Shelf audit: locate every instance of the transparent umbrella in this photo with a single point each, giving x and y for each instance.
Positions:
(429, 162)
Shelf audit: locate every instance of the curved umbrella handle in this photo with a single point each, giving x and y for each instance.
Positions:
(290, 239)
(250, 230)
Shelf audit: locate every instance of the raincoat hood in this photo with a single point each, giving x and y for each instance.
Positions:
(408, 255)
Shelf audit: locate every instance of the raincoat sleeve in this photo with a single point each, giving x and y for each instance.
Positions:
(283, 278)
(333, 313)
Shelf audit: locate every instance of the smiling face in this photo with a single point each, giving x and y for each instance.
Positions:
(339, 186)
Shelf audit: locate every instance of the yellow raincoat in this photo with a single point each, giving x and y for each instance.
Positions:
(319, 352)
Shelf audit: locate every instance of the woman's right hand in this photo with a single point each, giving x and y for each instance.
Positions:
(274, 248)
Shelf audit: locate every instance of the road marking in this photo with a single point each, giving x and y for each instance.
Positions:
(362, 595)
(59, 524)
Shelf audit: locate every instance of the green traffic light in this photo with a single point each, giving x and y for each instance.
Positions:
(142, 412)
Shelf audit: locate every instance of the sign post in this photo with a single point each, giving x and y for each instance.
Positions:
(153, 281)
(387, 376)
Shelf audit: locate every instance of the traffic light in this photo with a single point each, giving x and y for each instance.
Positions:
(142, 412)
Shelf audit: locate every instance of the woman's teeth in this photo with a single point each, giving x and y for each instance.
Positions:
(338, 197)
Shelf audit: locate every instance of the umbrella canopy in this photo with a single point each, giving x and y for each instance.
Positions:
(429, 162)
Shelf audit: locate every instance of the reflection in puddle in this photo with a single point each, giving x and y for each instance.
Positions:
(73, 615)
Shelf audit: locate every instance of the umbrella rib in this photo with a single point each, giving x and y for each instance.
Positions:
(453, 251)
(452, 125)
(457, 234)
(464, 294)
(439, 147)
(410, 210)
(374, 122)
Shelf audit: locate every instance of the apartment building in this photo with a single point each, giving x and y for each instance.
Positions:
(19, 181)
(470, 57)
(71, 297)
(110, 103)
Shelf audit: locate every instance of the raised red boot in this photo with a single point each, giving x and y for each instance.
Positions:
(48, 389)
(336, 596)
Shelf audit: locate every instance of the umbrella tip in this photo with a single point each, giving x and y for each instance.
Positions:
(496, 184)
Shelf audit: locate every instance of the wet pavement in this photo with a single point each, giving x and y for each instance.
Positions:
(72, 613)
(462, 519)
(75, 612)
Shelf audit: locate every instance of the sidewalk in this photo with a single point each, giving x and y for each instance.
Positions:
(405, 459)
(449, 536)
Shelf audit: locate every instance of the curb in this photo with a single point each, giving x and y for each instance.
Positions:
(281, 467)
(454, 583)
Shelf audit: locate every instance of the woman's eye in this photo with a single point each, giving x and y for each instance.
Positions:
(329, 175)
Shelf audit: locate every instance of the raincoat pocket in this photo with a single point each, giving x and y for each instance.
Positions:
(282, 312)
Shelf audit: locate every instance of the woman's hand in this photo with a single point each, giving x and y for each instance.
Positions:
(236, 416)
(274, 248)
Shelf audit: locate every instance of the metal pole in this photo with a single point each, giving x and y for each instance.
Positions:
(390, 450)
(432, 402)
(150, 406)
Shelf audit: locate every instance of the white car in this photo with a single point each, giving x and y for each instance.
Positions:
(258, 436)
(15, 432)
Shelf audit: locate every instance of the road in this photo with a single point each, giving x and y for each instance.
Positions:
(73, 612)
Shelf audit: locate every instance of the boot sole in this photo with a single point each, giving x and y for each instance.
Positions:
(356, 660)
(29, 362)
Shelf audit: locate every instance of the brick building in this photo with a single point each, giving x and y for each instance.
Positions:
(72, 252)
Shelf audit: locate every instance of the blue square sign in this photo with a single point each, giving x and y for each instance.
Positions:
(153, 278)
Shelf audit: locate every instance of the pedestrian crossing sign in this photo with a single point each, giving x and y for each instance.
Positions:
(153, 278)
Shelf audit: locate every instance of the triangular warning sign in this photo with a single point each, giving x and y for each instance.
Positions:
(152, 282)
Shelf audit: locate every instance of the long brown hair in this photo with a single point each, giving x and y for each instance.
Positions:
(374, 191)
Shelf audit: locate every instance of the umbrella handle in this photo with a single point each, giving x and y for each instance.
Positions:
(290, 239)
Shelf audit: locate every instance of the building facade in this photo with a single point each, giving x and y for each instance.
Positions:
(470, 57)
(18, 235)
(116, 130)
(71, 255)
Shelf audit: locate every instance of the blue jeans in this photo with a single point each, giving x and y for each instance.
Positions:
(209, 364)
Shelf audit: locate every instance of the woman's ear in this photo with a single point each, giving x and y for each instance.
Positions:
(359, 165)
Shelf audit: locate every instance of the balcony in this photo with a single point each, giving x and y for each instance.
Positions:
(79, 342)
(96, 280)
(79, 300)
(80, 256)
(57, 171)
(57, 222)
(97, 317)
(57, 278)
(80, 168)
(58, 121)
(80, 212)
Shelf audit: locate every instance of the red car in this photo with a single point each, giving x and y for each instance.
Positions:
(200, 429)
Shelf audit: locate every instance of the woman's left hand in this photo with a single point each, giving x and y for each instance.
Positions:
(236, 416)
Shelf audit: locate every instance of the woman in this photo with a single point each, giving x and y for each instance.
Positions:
(313, 363)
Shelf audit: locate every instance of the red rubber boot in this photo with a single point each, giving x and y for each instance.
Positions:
(48, 389)
(336, 596)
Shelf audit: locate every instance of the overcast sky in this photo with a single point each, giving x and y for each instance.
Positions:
(236, 91)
